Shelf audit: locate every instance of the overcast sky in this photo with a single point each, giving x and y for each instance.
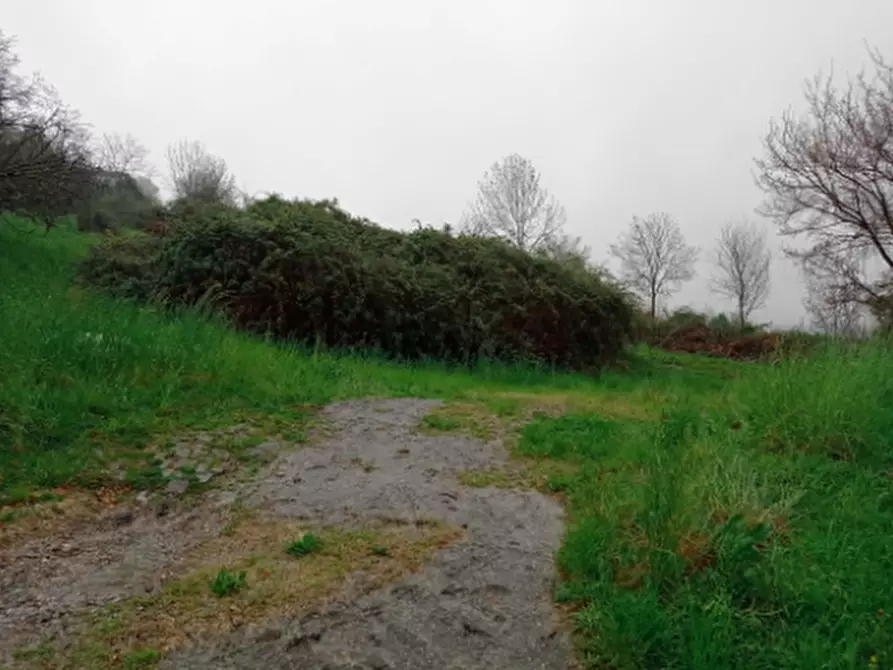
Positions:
(397, 107)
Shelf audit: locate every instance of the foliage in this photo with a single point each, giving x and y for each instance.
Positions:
(227, 582)
(713, 536)
(310, 272)
(118, 201)
(307, 544)
(723, 325)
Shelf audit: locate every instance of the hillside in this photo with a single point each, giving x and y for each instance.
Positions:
(700, 513)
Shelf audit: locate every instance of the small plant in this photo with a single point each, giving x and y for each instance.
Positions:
(307, 544)
(226, 583)
(381, 551)
(142, 658)
(436, 422)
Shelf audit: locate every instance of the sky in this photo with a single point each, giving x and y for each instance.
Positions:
(398, 107)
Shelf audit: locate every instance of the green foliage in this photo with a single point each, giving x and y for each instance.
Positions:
(226, 582)
(123, 267)
(310, 272)
(307, 544)
(118, 201)
(89, 379)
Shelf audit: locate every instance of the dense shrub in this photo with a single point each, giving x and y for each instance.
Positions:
(311, 272)
(124, 266)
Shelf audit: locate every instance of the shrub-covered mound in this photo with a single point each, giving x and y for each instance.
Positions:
(309, 271)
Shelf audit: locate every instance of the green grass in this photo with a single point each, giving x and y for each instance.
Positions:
(307, 544)
(743, 519)
(88, 380)
(226, 582)
(749, 528)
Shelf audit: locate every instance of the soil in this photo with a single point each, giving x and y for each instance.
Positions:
(481, 602)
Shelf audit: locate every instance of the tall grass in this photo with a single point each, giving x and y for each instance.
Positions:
(750, 528)
(86, 378)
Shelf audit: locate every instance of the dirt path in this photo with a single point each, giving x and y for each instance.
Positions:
(482, 602)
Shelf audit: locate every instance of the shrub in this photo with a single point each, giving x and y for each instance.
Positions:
(309, 271)
(124, 267)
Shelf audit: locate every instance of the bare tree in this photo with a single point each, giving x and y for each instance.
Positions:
(200, 176)
(831, 310)
(828, 179)
(123, 154)
(512, 205)
(654, 257)
(45, 164)
(742, 259)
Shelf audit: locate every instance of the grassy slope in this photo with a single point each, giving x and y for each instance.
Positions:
(660, 559)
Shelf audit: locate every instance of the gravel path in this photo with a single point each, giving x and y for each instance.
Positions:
(481, 603)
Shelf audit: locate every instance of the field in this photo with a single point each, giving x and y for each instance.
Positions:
(720, 514)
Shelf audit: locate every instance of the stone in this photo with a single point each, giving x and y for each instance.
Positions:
(177, 486)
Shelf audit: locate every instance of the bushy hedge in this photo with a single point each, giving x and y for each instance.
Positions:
(311, 272)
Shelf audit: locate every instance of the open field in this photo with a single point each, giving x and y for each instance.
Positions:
(719, 514)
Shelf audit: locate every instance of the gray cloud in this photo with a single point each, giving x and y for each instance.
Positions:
(398, 106)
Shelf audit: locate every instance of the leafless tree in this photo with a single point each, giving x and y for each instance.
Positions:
(827, 175)
(123, 154)
(830, 309)
(742, 260)
(512, 205)
(200, 176)
(45, 164)
(654, 257)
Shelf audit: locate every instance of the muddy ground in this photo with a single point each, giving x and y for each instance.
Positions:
(482, 601)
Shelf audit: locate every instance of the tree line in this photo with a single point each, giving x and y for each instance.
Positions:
(826, 175)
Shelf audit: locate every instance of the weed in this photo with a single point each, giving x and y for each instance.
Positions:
(142, 658)
(227, 583)
(440, 423)
(378, 550)
(306, 544)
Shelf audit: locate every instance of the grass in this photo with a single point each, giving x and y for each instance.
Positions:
(226, 582)
(720, 515)
(89, 380)
(305, 545)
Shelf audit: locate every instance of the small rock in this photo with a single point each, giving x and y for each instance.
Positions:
(143, 497)
(177, 486)
(204, 477)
